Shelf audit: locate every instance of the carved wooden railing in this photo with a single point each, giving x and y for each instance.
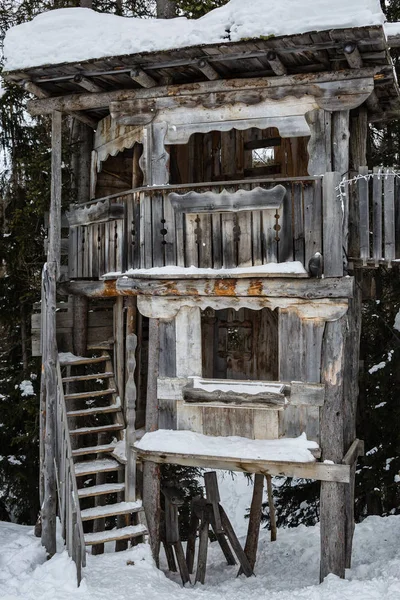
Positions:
(142, 228)
(69, 510)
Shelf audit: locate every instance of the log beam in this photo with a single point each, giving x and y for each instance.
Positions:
(87, 84)
(353, 55)
(76, 102)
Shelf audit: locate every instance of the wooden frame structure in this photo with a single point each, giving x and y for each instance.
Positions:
(169, 182)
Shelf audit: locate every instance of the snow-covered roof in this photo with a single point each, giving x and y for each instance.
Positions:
(78, 34)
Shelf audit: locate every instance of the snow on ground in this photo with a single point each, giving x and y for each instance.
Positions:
(286, 570)
(75, 34)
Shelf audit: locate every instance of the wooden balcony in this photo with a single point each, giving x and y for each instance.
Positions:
(225, 225)
(148, 227)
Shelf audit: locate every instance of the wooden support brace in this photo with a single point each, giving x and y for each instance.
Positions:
(207, 70)
(253, 531)
(142, 78)
(233, 540)
(191, 541)
(37, 91)
(276, 64)
(212, 494)
(353, 55)
(87, 84)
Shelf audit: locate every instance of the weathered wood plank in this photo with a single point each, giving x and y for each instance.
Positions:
(100, 212)
(188, 342)
(240, 200)
(377, 214)
(332, 222)
(363, 194)
(389, 218)
(314, 470)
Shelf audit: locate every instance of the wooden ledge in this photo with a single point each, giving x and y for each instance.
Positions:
(311, 470)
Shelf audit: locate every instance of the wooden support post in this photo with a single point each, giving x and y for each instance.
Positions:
(49, 356)
(130, 417)
(272, 513)
(276, 64)
(320, 144)
(119, 346)
(80, 325)
(191, 541)
(151, 471)
(332, 505)
(357, 158)
(212, 495)
(203, 548)
(253, 531)
(340, 161)
(188, 342)
(332, 224)
(350, 393)
(49, 506)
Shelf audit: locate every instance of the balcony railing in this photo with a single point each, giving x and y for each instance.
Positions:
(225, 225)
(142, 229)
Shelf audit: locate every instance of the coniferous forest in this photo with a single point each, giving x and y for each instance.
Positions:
(24, 200)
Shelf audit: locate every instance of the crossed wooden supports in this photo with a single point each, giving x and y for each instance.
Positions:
(206, 512)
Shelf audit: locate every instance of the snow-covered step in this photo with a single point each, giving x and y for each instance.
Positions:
(111, 510)
(94, 376)
(103, 448)
(89, 467)
(82, 395)
(101, 429)
(101, 490)
(68, 359)
(125, 533)
(95, 410)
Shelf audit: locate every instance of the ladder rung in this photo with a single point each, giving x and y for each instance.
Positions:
(101, 429)
(101, 490)
(93, 450)
(88, 377)
(111, 510)
(101, 537)
(90, 394)
(89, 467)
(84, 361)
(96, 410)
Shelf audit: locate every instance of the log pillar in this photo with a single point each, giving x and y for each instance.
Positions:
(332, 506)
(151, 470)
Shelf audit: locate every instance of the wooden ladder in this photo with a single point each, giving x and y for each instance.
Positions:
(96, 424)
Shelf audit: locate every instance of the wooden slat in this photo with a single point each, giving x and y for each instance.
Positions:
(312, 221)
(333, 233)
(298, 222)
(389, 218)
(191, 239)
(205, 241)
(216, 240)
(229, 245)
(363, 195)
(157, 227)
(269, 243)
(170, 241)
(244, 245)
(377, 215)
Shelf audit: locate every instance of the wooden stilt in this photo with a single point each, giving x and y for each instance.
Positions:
(332, 505)
(272, 513)
(203, 547)
(233, 540)
(253, 531)
(191, 541)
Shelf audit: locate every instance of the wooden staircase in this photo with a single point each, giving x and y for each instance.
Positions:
(96, 424)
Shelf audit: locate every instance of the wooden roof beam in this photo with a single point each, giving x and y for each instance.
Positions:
(37, 91)
(276, 64)
(353, 56)
(142, 78)
(207, 70)
(87, 84)
(76, 102)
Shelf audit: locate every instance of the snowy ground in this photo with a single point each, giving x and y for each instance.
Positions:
(286, 570)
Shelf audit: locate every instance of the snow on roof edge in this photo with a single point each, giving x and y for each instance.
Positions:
(73, 35)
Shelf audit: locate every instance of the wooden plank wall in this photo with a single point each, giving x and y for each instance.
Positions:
(100, 324)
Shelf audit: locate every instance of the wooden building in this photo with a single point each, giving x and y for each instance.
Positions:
(210, 278)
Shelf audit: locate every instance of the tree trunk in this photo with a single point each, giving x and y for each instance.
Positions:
(166, 9)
